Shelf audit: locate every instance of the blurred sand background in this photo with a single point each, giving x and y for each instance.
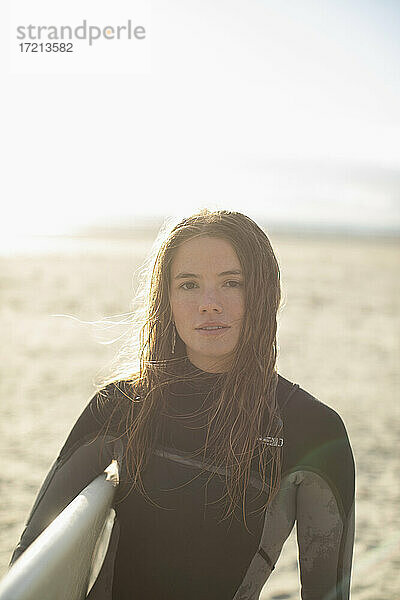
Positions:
(338, 338)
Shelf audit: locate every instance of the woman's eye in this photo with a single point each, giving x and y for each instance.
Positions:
(188, 285)
(191, 285)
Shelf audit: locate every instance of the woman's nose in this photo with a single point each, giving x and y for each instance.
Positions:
(210, 303)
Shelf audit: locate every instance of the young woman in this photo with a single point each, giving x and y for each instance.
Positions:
(219, 455)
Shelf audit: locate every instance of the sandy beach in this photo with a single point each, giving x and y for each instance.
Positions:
(338, 338)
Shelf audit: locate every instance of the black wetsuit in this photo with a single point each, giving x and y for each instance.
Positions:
(177, 547)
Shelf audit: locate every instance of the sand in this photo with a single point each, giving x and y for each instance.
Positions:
(338, 338)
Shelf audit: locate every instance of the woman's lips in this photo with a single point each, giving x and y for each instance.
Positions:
(212, 329)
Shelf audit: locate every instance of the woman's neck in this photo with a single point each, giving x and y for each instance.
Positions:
(209, 365)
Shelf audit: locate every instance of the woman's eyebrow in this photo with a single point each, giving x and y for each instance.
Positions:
(194, 276)
(232, 272)
(186, 275)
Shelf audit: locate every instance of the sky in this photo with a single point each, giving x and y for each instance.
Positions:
(285, 110)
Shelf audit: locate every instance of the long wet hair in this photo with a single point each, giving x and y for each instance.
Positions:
(247, 398)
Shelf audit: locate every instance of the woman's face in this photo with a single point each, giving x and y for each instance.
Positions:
(207, 300)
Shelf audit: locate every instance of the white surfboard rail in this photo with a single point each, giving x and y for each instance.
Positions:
(64, 561)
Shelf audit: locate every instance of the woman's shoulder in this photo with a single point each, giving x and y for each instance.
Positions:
(299, 406)
(314, 433)
(114, 403)
(120, 395)
(315, 439)
(105, 414)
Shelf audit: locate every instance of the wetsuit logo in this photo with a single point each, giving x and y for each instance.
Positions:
(271, 441)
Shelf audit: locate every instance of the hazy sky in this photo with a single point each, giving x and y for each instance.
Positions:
(285, 109)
